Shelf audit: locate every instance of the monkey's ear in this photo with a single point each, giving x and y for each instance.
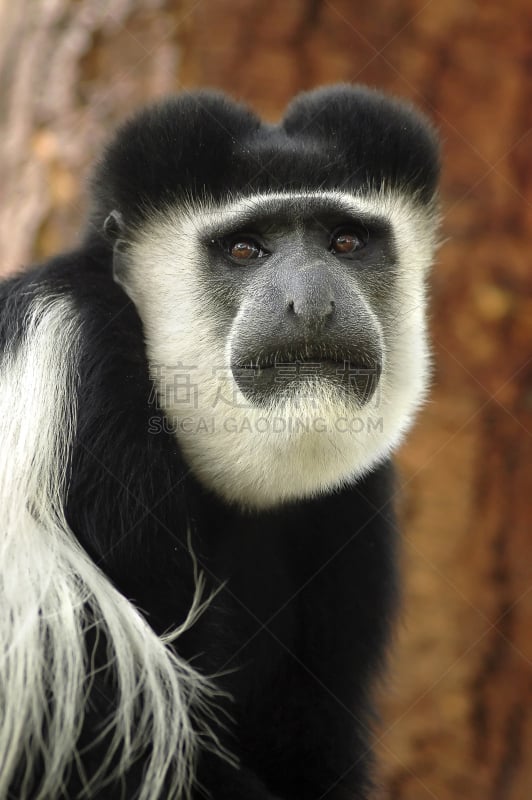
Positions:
(114, 226)
(113, 230)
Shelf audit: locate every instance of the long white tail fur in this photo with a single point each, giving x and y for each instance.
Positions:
(50, 591)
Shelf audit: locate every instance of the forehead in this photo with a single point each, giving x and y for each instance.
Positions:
(296, 210)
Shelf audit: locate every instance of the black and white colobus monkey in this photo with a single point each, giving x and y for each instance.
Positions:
(198, 407)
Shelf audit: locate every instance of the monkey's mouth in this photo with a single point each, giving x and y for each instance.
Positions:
(263, 376)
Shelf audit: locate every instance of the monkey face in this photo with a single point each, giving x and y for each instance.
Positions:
(282, 294)
(286, 334)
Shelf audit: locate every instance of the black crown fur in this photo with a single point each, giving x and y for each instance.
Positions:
(204, 144)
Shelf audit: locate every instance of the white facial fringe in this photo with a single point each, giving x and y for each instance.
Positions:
(267, 468)
(51, 593)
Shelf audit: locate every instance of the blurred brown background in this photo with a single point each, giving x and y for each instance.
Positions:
(457, 709)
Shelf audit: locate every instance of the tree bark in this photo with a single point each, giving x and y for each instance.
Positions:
(457, 709)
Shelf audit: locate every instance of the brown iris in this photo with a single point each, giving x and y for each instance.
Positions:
(244, 249)
(345, 242)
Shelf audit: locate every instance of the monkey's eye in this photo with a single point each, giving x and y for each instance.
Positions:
(243, 248)
(346, 241)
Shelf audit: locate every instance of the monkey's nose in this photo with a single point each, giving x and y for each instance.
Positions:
(310, 312)
(310, 299)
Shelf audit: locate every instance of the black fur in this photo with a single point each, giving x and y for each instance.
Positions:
(202, 144)
(298, 630)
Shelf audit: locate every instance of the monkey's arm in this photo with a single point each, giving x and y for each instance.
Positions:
(79, 477)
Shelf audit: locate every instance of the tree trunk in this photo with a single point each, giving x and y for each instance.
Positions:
(457, 710)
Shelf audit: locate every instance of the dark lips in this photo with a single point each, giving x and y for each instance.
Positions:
(262, 377)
